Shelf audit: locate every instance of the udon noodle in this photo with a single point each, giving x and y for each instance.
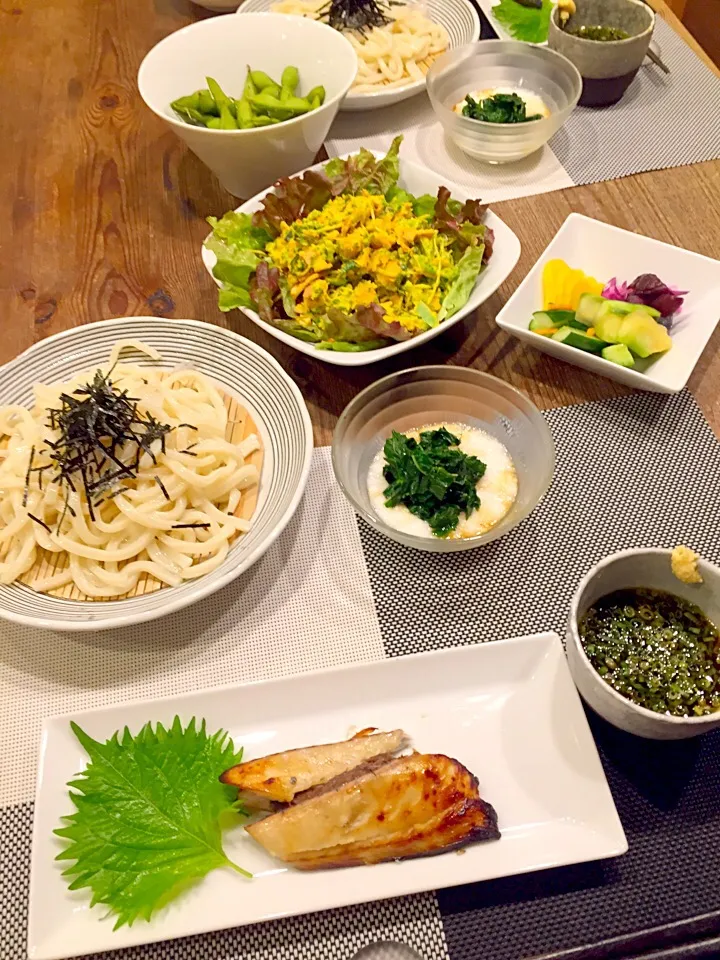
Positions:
(171, 517)
(389, 56)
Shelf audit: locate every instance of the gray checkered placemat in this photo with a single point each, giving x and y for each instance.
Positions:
(331, 935)
(662, 121)
(638, 470)
(635, 471)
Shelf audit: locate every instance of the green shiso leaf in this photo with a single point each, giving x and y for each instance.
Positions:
(148, 816)
(524, 23)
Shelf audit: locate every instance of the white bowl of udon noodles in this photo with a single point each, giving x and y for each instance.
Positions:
(393, 59)
(177, 453)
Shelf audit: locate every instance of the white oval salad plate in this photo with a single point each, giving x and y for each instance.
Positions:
(458, 17)
(243, 371)
(416, 180)
(508, 711)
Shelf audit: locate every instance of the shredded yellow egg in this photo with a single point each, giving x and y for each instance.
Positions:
(361, 250)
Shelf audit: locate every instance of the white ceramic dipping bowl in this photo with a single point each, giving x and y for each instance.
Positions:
(247, 161)
(630, 569)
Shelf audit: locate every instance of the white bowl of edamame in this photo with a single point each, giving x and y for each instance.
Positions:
(253, 97)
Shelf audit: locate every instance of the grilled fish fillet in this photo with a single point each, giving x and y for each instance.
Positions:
(409, 807)
(281, 776)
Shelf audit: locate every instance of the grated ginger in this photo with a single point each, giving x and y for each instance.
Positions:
(684, 565)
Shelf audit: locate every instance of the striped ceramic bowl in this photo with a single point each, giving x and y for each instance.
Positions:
(459, 18)
(244, 372)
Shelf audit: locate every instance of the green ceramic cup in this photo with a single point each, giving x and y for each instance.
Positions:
(607, 67)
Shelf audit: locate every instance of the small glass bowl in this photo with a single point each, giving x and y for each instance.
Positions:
(489, 64)
(427, 395)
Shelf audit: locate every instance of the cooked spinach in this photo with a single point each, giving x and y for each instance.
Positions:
(500, 108)
(432, 477)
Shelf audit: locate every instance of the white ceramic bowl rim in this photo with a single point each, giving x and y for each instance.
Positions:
(618, 697)
(410, 538)
(414, 85)
(409, 89)
(125, 617)
(532, 50)
(371, 95)
(198, 26)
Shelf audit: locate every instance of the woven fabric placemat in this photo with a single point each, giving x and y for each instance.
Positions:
(633, 471)
(275, 620)
(662, 121)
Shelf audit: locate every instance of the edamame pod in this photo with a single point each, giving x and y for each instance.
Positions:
(191, 102)
(189, 115)
(244, 113)
(265, 103)
(213, 123)
(297, 105)
(250, 88)
(217, 92)
(261, 80)
(227, 120)
(206, 103)
(317, 93)
(289, 82)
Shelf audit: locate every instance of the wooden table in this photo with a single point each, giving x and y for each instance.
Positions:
(108, 211)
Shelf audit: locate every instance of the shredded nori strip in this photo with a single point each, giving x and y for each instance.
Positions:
(41, 522)
(159, 482)
(191, 526)
(360, 15)
(66, 507)
(39, 471)
(188, 425)
(27, 477)
(116, 493)
(98, 424)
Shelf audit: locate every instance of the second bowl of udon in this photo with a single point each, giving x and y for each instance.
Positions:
(146, 464)
(394, 54)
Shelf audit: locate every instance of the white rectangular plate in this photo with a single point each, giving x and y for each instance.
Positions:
(605, 251)
(507, 710)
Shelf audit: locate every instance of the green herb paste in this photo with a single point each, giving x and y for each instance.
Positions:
(598, 33)
(656, 649)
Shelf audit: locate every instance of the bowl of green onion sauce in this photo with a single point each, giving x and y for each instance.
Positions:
(644, 647)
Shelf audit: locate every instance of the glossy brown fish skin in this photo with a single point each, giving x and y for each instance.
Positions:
(410, 807)
(279, 777)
